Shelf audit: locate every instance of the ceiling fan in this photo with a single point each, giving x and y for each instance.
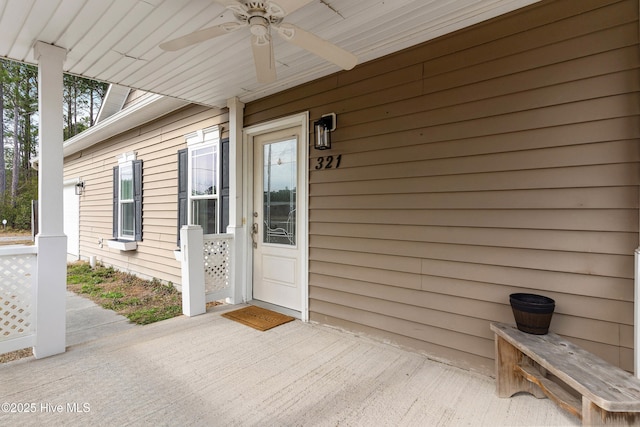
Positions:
(261, 17)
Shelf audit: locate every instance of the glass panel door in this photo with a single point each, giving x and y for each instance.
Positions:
(278, 211)
(280, 182)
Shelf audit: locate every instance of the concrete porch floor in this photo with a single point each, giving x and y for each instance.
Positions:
(208, 370)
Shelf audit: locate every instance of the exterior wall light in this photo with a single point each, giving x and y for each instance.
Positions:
(322, 131)
(79, 188)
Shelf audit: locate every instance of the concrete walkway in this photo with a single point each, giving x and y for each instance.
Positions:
(210, 371)
(87, 321)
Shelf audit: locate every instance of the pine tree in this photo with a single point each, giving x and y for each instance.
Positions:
(19, 131)
(82, 98)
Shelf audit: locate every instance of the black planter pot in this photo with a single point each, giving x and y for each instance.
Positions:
(532, 312)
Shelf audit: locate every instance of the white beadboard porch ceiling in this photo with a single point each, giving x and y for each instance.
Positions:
(116, 41)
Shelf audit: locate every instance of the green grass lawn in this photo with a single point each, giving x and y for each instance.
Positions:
(141, 301)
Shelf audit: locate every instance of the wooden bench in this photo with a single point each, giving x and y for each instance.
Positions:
(594, 391)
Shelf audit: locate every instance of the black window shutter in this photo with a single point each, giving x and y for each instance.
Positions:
(137, 198)
(224, 186)
(116, 182)
(183, 176)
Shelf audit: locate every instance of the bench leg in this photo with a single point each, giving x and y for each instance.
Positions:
(593, 415)
(508, 381)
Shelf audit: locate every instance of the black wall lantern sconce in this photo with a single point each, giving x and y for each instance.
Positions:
(322, 131)
(79, 188)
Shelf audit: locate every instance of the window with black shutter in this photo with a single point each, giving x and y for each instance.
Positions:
(127, 200)
(203, 182)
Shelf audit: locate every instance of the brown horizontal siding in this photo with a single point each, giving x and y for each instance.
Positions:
(519, 121)
(573, 47)
(569, 262)
(577, 176)
(405, 198)
(438, 271)
(156, 144)
(570, 134)
(497, 159)
(465, 104)
(617, 220)
(608, 242)
(391, 167)
(450, 277)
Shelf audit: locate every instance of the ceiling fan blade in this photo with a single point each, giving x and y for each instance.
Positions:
(200, 36)
(288, 6)
(321, 47)
(264, 59)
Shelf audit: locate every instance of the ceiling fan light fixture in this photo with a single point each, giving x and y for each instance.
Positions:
(259, 26)
(260, 17)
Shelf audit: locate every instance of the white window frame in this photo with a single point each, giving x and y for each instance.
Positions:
(200, 139)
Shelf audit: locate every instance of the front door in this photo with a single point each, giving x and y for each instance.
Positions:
(278, 250)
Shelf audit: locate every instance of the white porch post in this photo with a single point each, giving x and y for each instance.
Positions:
(193, 289)
(237, 225)
(51, 280)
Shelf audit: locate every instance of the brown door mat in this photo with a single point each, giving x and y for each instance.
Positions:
(257, 317)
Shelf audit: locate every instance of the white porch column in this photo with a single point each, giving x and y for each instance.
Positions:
(193, 289)
(51, 281)
(237, 224)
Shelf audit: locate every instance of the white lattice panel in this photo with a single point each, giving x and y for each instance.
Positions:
(17, 281)
(217, 263)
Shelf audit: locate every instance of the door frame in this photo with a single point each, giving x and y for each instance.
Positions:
(300, 120)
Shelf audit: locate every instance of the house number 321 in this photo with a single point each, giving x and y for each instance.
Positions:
(329, 162)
